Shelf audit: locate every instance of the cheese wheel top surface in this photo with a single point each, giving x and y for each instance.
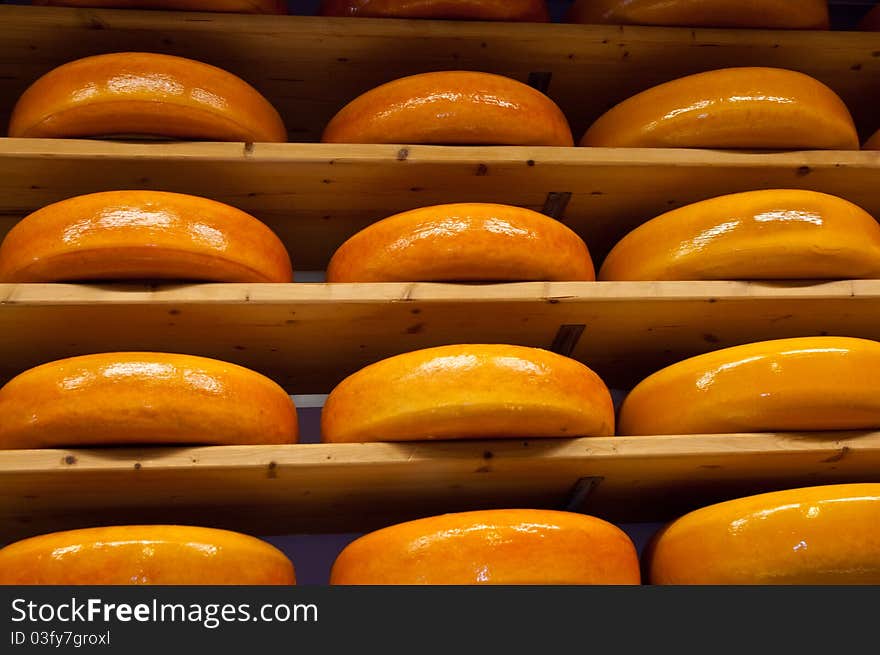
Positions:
(801, 384)
(131, 235)
(756, 108)
(505, 10)
(780, 234)
(228, 6)
(815, 535)
(144, 555)
(451, 107)
(143, 398)
(138, 93)
(514, 546)
(476, 391)
(463, 242)
(770, 14)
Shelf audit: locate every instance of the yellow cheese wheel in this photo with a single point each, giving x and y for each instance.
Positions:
(471, 391)
(800, 384)
(512, 546)
(144, 555)
(136, 235)
(143, 398)
(229, 6)
(463, 242)
(812, 536)
(144, 94)
(779, 234)
(451, 107)
(754, 108)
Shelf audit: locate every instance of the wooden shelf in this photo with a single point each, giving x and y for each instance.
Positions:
(317, 195)
(585, 68)
(309, 336)
(352, 487)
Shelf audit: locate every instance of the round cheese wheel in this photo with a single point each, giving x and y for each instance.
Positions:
(143, 398)
(506, 10)
(229, 6)
(801, 384)
(451, 107)
(769, 14)
(144, 555)
(812, 536)
(874, 142)
(507, 546)
(871, 21)
(136, 235)
(144, 94)
(463, 242)
(780, 234)
(473, 391)
(757, 108)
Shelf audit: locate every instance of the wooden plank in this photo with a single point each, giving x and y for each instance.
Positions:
(352, 487)
(317, 195)
(309, 336)
(291, 58)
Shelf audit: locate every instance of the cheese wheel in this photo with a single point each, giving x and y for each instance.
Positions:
(871, 21)
(143, 398)
(451, 107)
(507, 546)
(816, 536)
(472, 391)
(144, 555)
(506, 10)
(758, 108)
(229, 6)
(874, 142)
(781, 234)
(135, 235)
(801, 384)
(769, 14)
(463, 242)
(144, 94)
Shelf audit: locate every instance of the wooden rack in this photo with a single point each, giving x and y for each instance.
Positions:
(309, 336)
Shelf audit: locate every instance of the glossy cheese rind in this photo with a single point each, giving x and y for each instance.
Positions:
(745, 108)
(142, 235)
(143, 398)
(511, 546)
(463, 242)
(779, 234)
(144, 94)
(502, 10)
(227, 6)
(471, 391)
(800, 384)
(767, 14)
(827, 535)
(451, 107)
(144, 555)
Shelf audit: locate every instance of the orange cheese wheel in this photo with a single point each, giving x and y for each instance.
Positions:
(229, 6)
(131, 235)
(801, 384)
(143, 398)
(812, 536)
(874, 142)
(506, 10)
(757, 108)
(144, 94)
(780, 234)
(507, 546)
(463, 242)
(871, 21)
(451, 107)
(770, 14)
(472, 391)
(144, 555)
